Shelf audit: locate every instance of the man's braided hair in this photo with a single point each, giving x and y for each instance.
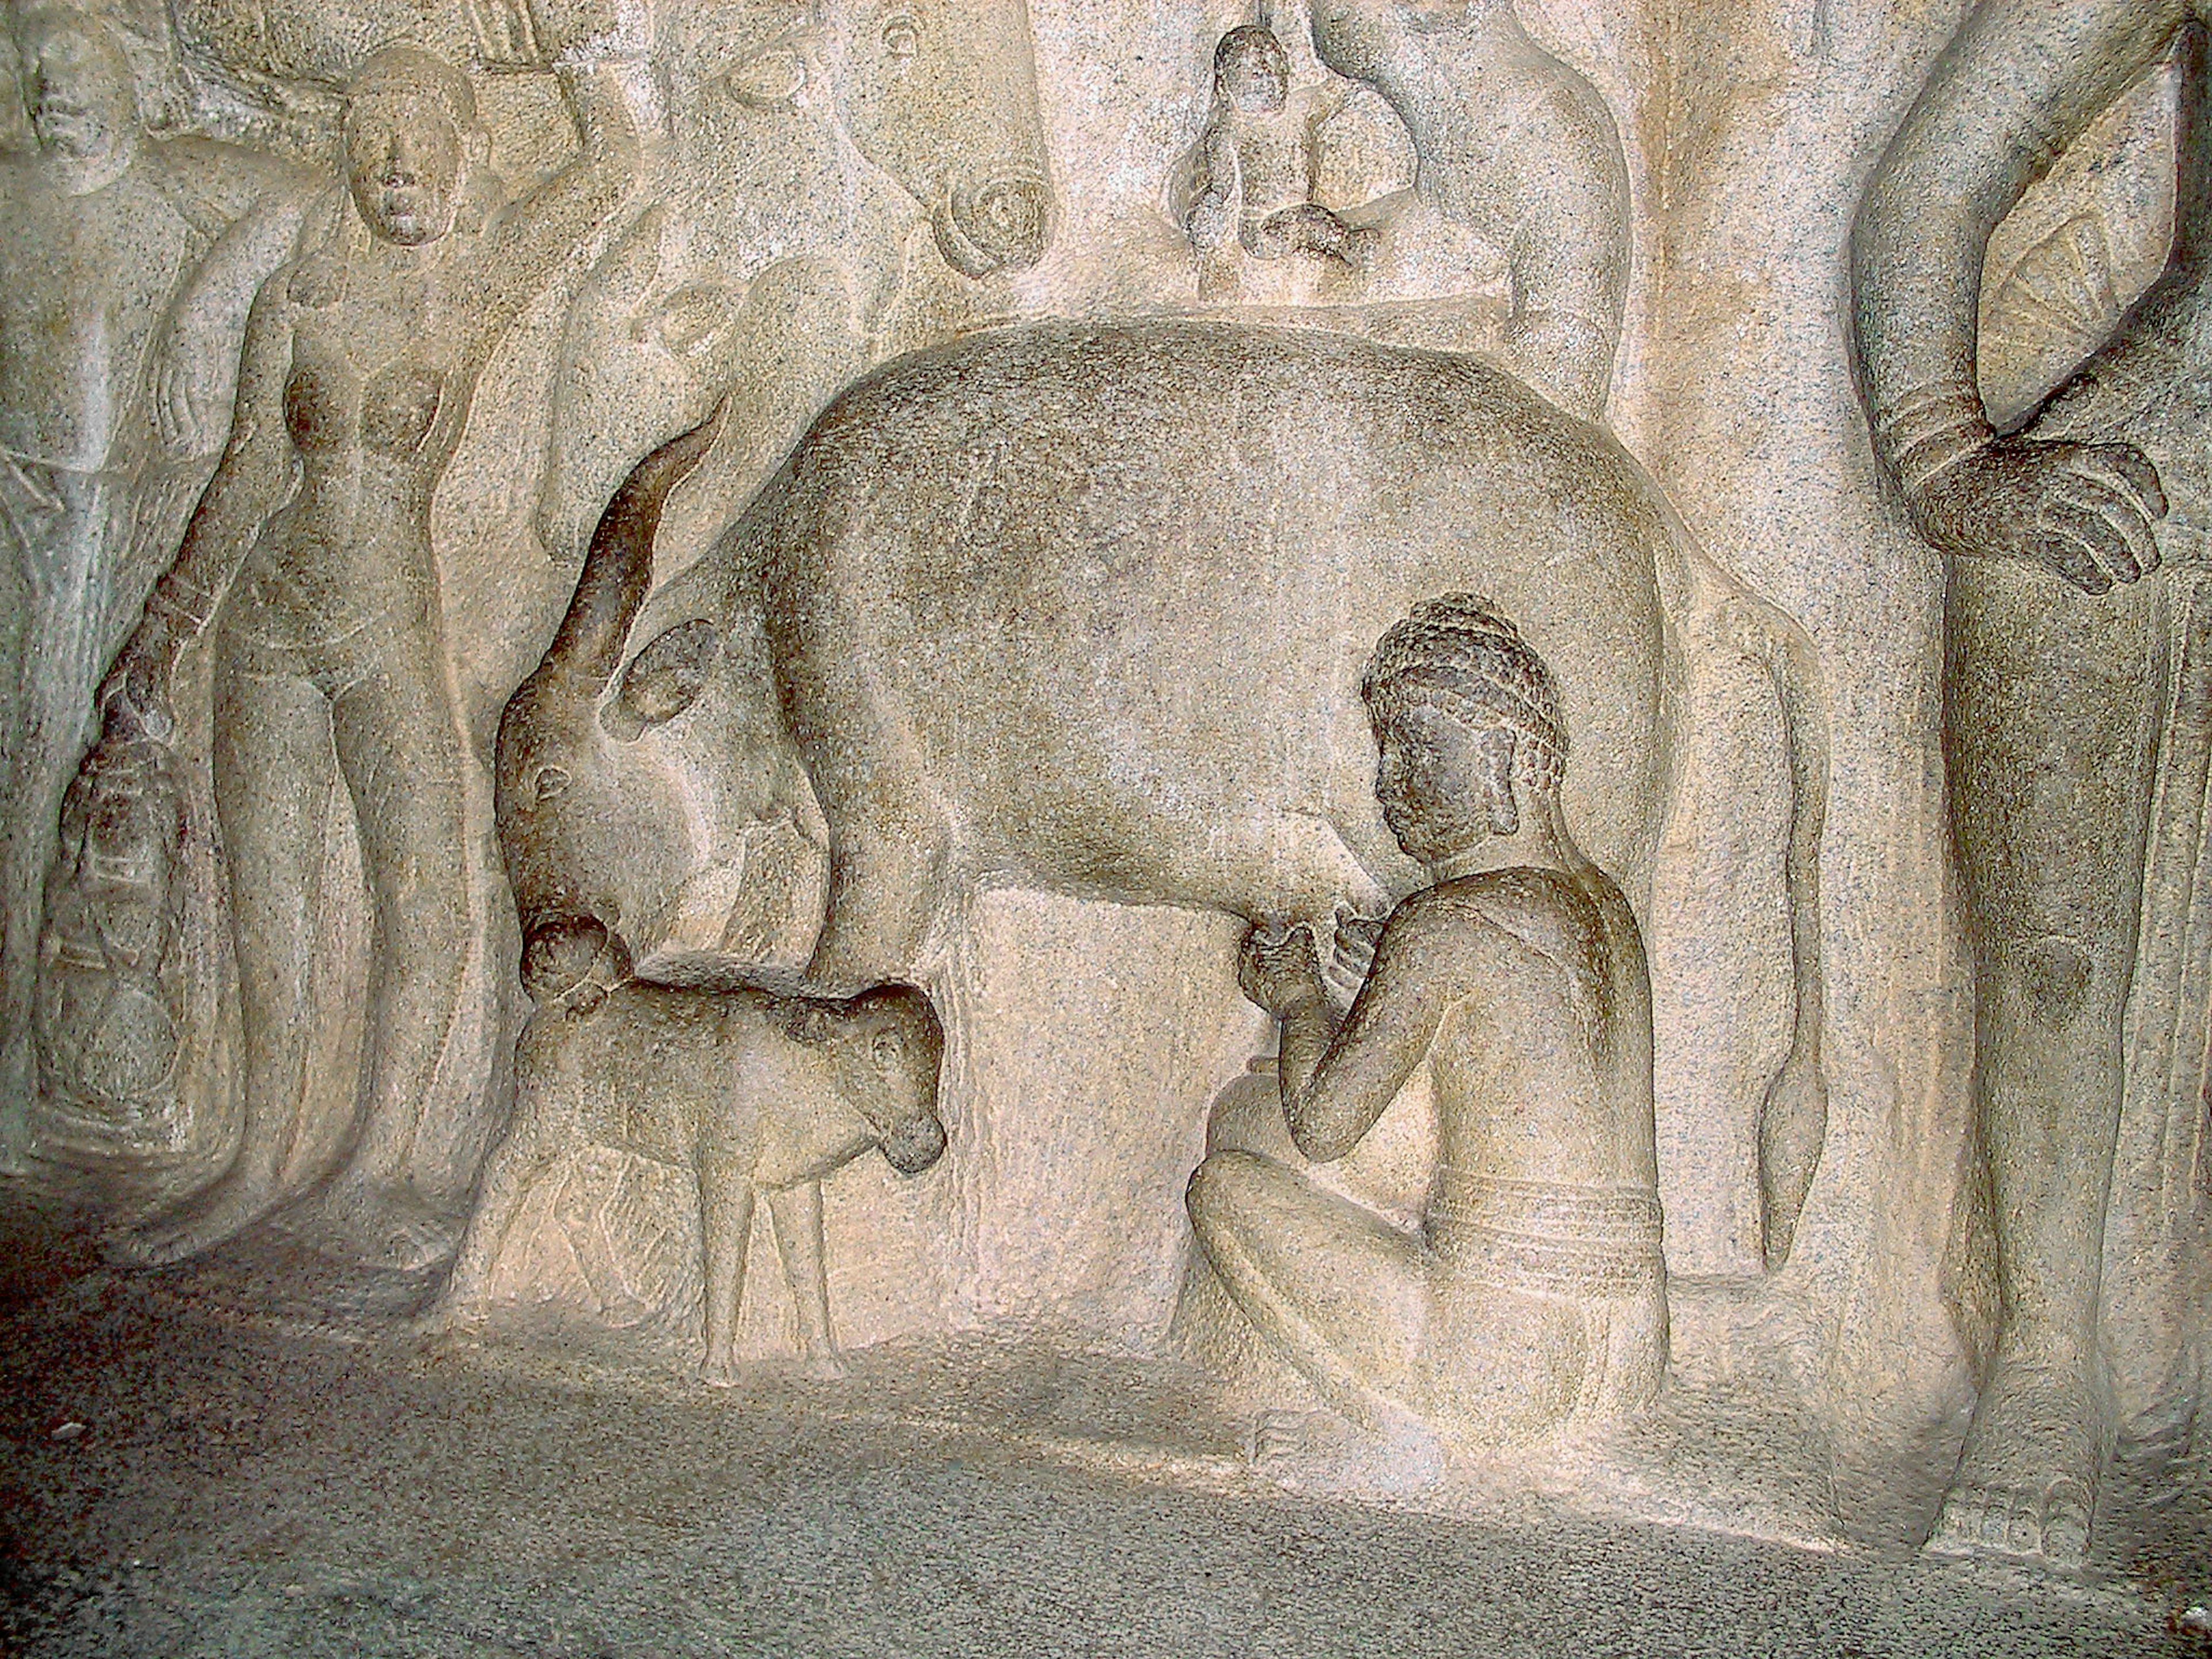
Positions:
(1460, 654)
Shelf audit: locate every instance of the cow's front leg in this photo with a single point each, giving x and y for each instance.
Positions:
(797, 1212)
(726, 1226)
(886, 881)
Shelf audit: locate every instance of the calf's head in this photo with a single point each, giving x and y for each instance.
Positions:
(889, 1046)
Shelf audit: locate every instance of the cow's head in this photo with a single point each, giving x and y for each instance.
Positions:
(942, 96)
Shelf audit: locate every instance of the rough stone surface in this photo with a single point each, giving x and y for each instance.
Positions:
(1473, 734)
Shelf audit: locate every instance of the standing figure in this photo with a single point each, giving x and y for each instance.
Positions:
(1512, 144)
(1255, 160)
(125, 274)
(312, 545)
(1533, 1298)
(2062, 652)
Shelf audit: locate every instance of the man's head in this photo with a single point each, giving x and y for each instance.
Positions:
(1251, 69)
(78, 89)
(1467, 724)
(411, 135)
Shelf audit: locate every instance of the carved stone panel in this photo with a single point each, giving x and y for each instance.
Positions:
(1482, 725)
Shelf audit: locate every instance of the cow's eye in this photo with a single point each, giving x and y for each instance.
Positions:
(901, 38)
(888, 1049)
(552, 783)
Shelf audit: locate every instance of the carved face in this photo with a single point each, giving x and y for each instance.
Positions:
(1256, 78)
(404, 162)
(76, 88)
(1441, 783)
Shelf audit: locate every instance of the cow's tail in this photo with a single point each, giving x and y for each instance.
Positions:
(617, 570)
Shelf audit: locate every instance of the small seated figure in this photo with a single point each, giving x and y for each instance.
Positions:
(753, 1092)
(1532, 1300)
(1255, 160)
(108, 1015)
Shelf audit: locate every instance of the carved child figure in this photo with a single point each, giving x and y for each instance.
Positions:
(108, 1026)
(1532, 1300)
(756, 1093)
(1255, 160)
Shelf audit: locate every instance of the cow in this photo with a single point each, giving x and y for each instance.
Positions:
(1082, 607)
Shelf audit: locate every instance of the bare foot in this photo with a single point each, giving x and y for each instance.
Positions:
(823, 1366)
(2026, 1483)
(1320, 1451)
(719, 1370)
(207, 1218)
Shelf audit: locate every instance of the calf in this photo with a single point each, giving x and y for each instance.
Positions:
(756, 1093)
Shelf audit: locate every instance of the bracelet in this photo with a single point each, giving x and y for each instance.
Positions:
(1929, 432)
(174, 597)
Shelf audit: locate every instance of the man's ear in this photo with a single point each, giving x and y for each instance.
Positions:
(1494, 758)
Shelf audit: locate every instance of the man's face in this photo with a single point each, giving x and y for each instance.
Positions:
(77, 89)
(1442, 784)
(404, 164)
(1254, 81)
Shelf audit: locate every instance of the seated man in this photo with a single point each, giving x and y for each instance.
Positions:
(1533, 1298)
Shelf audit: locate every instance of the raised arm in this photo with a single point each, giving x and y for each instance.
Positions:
(250, 484)
(1568, 256)
(2019, 82)
(616, 104)
(250, 208)
(1338, 1079)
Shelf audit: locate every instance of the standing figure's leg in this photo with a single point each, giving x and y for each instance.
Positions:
(2053, 699)
(271, 755)
(399, 747)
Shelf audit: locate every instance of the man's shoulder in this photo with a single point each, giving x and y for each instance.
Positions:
(1522, 910)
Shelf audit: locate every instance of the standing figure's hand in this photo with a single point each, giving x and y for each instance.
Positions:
(1281, 973)
(135, 697)
(2083, 511)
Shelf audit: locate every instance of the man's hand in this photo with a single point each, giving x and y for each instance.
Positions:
(2083, 511)
(1282, 974)
(134, 699)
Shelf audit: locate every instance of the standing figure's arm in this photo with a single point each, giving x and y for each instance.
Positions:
(1218, 188)
(250, 484)
(250, 208)
(617, 106)
(2016, 85)
(1568, 257)
(1338, 1079)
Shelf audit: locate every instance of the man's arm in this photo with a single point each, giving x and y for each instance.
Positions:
(2020, 82)
(1336, 1083)
(620, 116)
(250, 482)
(250, 207)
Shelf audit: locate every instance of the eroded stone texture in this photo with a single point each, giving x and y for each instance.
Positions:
(786, 579)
